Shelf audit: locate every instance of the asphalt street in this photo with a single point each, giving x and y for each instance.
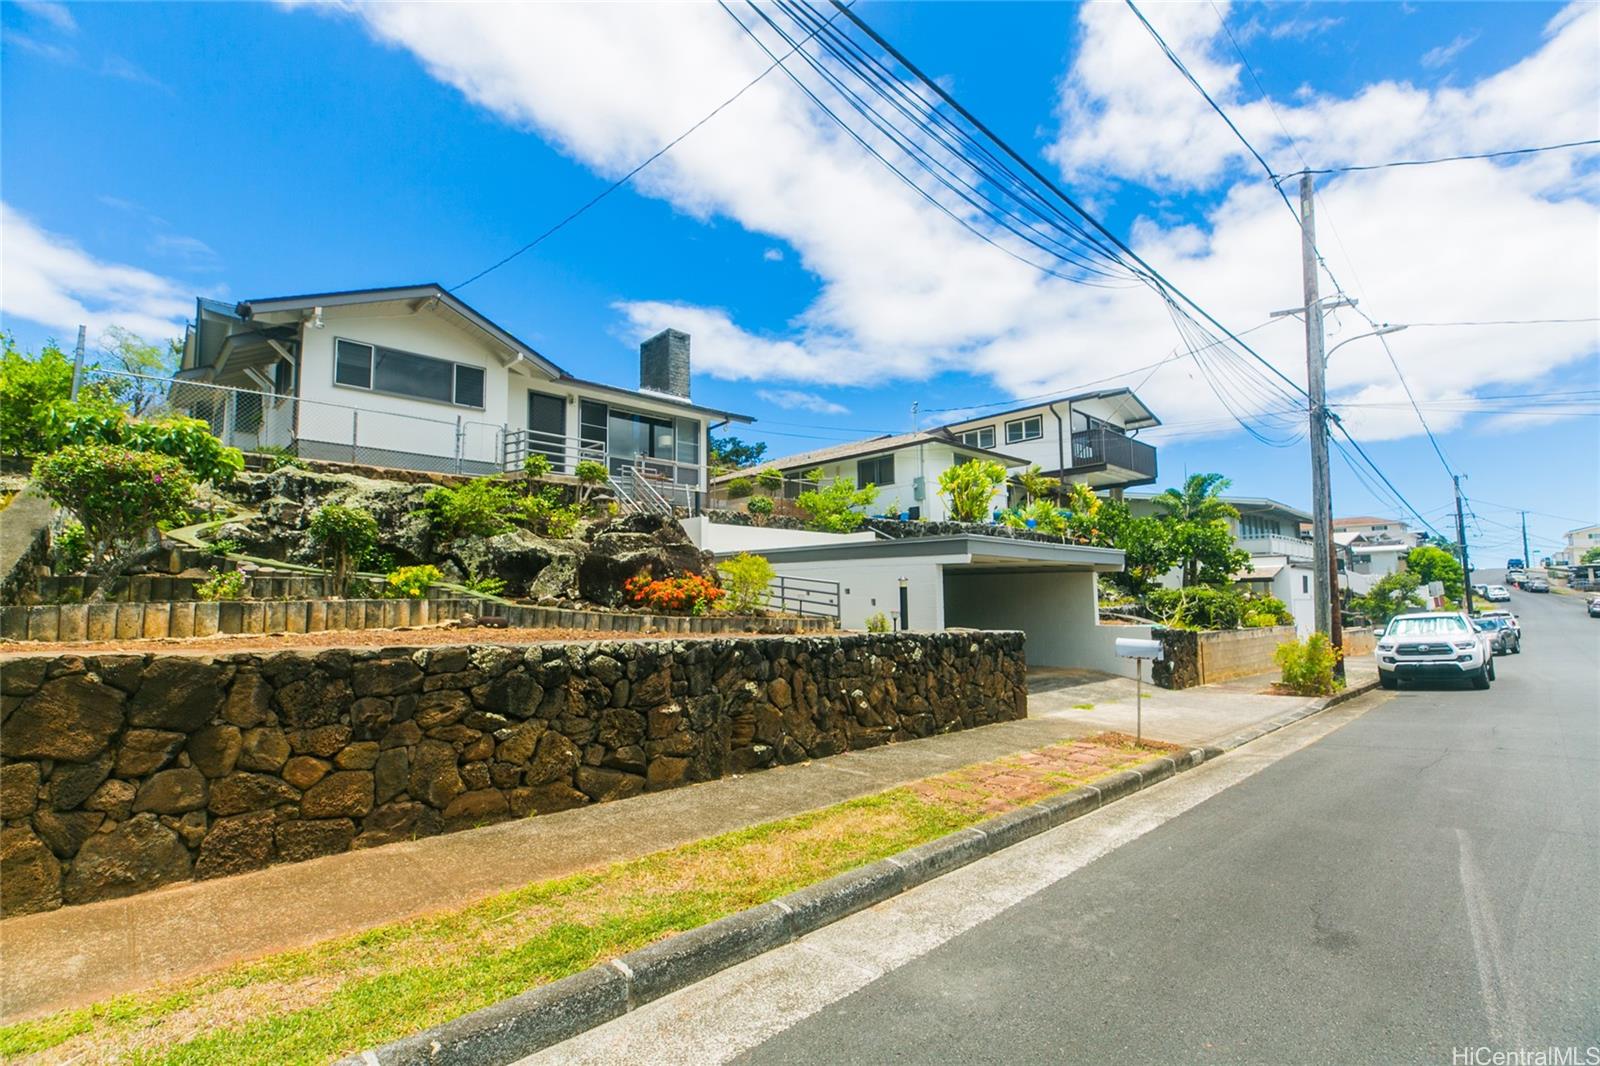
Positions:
(1422, 880)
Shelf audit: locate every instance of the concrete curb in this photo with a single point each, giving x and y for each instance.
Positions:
(549, 1014)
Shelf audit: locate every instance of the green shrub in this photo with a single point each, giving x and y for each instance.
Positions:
(222, 585)
(760, 507)
(878, 623)
(485, 584)
(971, 487)
(546, 515)
(279, 457)
(1308, 665)
(770, 480)
(188, 440)
(34, 402)
(591, 474)
(1263, 611)
(224, 546)
(71, 548)
(536, 465)
(344, 535)
(116, 493)
(411, 582)
(745, 577)
(480, 508)
(1199, 607)
(740, 487)
(836, 508)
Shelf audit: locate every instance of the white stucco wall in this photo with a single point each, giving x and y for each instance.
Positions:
(725, 539)
(1058, 610)
(868, 587)
(926, 461)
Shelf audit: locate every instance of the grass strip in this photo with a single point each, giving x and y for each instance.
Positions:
(315, 1004)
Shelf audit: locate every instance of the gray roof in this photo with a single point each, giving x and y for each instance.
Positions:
(1148, 419)
(1245, 504)
(1003, 549)
(861, 449)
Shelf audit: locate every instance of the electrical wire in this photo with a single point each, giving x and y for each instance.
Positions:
(1446, 158)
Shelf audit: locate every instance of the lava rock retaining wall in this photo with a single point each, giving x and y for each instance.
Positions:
(121, 773)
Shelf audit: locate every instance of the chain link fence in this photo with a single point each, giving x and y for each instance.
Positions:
(314, 429)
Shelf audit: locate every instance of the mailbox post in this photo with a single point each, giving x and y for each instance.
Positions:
(1139, 651)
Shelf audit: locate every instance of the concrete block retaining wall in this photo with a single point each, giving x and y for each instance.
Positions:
(1204, 658)
(121, 773)
(131, 621)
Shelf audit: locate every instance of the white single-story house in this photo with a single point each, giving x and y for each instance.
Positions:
(413, 377)
(1280, 560)
(905, 468)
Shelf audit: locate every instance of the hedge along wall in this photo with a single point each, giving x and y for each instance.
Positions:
(121, 773)
(181, 619)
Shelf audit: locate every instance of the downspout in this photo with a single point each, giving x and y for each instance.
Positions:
(1061, 439)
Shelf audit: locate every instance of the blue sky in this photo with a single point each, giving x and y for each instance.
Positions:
(153, 152)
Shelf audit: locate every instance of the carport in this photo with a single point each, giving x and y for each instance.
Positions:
(976, 581)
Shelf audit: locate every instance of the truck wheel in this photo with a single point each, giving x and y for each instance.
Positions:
(1489, 666)
(1480, 680)
(1388, 681)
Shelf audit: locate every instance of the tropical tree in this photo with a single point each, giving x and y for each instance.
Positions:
(151, 363)
(1036, 484)
(971, 487)
(1201, 540)
(1591, 556)
(835, 508)
(731, 453)
(1392, 594)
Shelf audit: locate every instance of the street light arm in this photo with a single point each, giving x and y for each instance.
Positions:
(1380, 331)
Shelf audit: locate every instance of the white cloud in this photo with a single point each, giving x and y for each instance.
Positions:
(55, 14)
(905, 292)
(795, 400)
(1445, 54)
(1300, 29)
(46, 279)
(773, 255)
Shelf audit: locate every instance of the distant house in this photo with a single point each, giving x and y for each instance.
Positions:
(904, 467)
(1578, 541)
(413, 377)
(1280, 559)
(1377, 528)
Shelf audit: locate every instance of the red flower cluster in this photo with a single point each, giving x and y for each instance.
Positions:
(686, 592)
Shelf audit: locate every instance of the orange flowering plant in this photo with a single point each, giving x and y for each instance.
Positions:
(693, 593)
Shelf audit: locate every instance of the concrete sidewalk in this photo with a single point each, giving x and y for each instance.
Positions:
(78, 955)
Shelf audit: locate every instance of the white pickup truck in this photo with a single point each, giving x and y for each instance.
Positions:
(1438, 645)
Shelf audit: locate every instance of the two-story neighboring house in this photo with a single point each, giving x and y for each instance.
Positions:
(1280, 559)
(904, 468)
(1087, 438)
(1375, 528)
(1578, 541)
(412, 377)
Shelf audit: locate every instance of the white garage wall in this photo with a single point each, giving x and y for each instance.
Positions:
(866, 588)
(721, 538)
(1058, 611)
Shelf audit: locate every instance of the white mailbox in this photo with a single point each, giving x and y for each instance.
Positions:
(1129, 648)
(1138, 651)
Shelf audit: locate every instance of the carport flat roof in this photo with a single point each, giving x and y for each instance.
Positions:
(980, 550)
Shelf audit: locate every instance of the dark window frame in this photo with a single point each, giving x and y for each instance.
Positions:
(1024, 436)
(978, 443)
(373, 366)
(874, 466)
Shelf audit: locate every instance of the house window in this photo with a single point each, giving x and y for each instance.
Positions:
(592, 420)
(979, 438)
(879, 471)
(421, 377)
(1305, 584)
(1030, 428)
(1256, 526)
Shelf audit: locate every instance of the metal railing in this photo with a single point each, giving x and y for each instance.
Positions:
(262, 420)
(804, 596)
(1113, 449)
(563, 452)
(1275, 544)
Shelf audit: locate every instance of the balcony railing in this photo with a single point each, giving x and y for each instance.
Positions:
(1275, 544)
(1095, 446)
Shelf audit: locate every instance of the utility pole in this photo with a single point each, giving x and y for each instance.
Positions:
(1526, 560)
(1461, 541)
(1324, 566)
(77, 365)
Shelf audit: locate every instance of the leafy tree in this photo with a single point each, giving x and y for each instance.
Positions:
(1591, 556)
(343, 535)
(118, 494)
(760, 508)
(1392, 594)
(971, 488)
(1145, 541)
(132, 354)
(731, 453)
(1432, 564)
(835, 508)
(1198, 532)
(34, 398)
(591, 474)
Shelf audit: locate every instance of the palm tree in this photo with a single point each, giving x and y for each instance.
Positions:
(1199, 502)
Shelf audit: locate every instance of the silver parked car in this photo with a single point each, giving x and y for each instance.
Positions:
(1505, 638)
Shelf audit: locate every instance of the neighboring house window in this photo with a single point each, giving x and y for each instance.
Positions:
(879, 471)
(1031, 428)
(1256, 526)
(422, 377)
(1305, 584)
(592, 419)
(979, 438)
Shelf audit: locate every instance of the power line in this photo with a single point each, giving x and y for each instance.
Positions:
(1510, 322)
(620, 182)
(1444, 159)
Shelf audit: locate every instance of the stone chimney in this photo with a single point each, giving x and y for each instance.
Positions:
(664, 363)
